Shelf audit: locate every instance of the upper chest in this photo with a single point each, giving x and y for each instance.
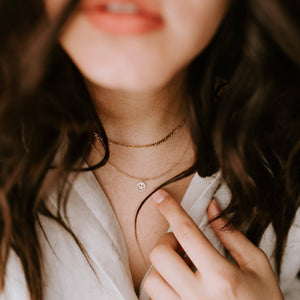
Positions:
(141, 228)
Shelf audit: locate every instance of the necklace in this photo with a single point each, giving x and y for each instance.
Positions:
(167, 137)
(141, 185)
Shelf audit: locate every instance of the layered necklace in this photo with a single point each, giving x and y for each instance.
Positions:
(141, 184)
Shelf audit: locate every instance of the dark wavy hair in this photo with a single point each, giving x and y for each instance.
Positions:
(244, 120)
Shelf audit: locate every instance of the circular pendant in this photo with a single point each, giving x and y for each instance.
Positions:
(141, 186)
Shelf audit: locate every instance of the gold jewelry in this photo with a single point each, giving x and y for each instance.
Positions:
(147, 145)
(141, 185)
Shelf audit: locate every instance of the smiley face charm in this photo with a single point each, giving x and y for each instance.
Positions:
(141, 186)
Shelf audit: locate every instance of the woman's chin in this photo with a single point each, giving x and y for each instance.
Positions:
(129, 83)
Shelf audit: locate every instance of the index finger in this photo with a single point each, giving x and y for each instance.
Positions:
(201, 252)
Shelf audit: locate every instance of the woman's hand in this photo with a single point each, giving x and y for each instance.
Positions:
(205, 274)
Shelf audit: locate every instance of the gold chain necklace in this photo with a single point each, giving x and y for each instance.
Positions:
(141, 185)
(167, 137)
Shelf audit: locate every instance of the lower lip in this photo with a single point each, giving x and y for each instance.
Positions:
(123, 24)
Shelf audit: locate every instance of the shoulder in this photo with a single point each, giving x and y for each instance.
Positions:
(290, 267)
(15, 282)
(296, 223)
(293, 242)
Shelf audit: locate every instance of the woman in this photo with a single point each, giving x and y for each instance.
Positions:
(105, 102)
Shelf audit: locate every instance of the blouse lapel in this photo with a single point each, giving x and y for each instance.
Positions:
(101, 236)
(195, 202)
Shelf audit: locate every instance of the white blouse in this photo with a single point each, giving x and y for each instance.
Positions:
(68, 275)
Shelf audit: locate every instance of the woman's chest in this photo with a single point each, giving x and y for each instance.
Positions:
(141, 224)
(140, 238)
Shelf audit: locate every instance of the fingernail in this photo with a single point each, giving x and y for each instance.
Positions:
(159, 196)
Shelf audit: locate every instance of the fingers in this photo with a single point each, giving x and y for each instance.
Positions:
(240, 248)
(215, 277)
(201, 252)
(171, 266)
(157, 288)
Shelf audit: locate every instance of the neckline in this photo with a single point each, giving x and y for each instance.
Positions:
(196, 177)
(189, 199)
(185, 202)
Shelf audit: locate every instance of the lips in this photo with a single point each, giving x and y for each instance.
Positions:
(145, 7)
(144, 19)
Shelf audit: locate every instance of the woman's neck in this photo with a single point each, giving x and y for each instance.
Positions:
(140, 117)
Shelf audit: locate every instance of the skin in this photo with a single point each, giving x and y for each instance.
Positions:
(214, 277)
(138, 85)
(144, 73)
(104, 58)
